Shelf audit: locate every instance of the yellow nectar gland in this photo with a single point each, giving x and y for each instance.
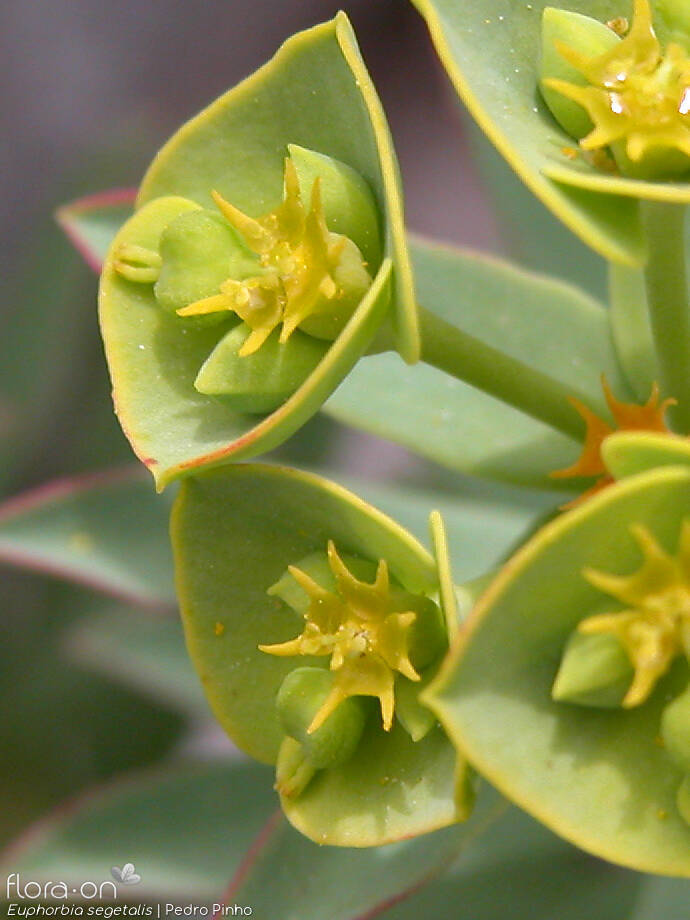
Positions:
(366, 639)
(638, 94)
(655, 626)
(628, 417)
(298, 257)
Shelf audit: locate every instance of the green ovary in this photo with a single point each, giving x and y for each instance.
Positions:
(374, 634)
(651, 631)
(637, 95)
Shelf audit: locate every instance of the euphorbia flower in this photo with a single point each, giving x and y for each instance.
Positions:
(266, 253)
(495, 55)
(314, 622)
(637, 95)
(579, 650)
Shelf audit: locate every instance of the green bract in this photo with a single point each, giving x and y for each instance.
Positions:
(593, 768)
(266, 251)
(313, 621)
(493, 51)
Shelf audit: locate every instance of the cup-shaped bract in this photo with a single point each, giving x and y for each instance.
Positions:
(314, 621)
(538, 700)
(266, 253)
(498, 55)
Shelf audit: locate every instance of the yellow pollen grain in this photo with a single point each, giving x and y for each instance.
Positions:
(219, 629)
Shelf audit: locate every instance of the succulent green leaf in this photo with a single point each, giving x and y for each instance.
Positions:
(234, 533)
(105, 530)
(541, 877)
(491, 51)
(630, 452)
(316, 94)
(186, 829)
(597, 777)
(549, 325)
(314, 882)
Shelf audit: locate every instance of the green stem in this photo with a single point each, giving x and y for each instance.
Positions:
(469, 359)
(667, 301)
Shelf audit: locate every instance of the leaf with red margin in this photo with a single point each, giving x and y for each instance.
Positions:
(91, 223)
(312, 882)
(185, 828)
(104, 530)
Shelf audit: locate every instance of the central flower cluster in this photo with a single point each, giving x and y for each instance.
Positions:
(655, 626)
(299, 262)
(638, 97)
(361, 627)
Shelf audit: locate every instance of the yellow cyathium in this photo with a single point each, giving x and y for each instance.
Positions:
(298, 259)
(358, 626)
(655, 625)
(639, 93)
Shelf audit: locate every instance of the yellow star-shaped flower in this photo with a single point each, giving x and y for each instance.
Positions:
(655, 625)
(638, 94)
(359, 626)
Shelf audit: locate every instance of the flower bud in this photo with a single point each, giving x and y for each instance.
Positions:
(594, 671)
(675, 729)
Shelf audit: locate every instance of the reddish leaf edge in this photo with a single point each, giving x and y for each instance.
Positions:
(277, 821)
(92, 796)
(54, 491)
(98, 201)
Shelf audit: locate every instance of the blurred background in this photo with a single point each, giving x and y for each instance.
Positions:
(90, 91)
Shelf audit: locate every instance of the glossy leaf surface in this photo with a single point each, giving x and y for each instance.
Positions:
(596, 777)
(542, 322)
(234, 533)
(491, 52)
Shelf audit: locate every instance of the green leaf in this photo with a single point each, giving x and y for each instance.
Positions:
(483, 521)
(92, 222)
(547, 324)
(186, 829)
(491, 52)
(597, 777)
(234, 533)
(313, 883)
(519, 869)
(146, 653)
(105, 530)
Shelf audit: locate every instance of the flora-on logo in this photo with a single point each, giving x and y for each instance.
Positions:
(126, 875)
